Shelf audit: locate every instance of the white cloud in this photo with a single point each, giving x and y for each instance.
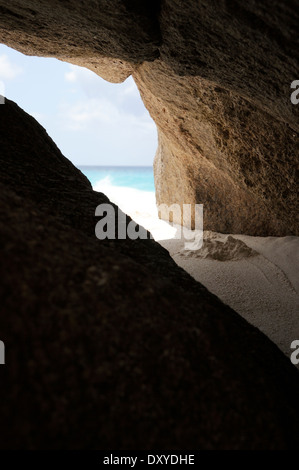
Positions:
(91, 113)
(125, 95)
(110, 117)
(79, 75)
(84, 114)
(70, 76)
(8, 70)
(103, 103)
(130, 88)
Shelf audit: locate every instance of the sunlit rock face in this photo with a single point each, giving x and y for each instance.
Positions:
(215, 77)
(109, 37)
(109, 344)
(220, 150)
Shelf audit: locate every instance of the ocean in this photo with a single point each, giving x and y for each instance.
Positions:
(131, 188)
(136, 177)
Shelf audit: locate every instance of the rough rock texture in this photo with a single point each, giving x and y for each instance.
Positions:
(220, 95)
(216, 78)
(86, 33)
(109, 344)
(223, 152)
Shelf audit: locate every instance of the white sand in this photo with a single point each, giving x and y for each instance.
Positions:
(256, 276)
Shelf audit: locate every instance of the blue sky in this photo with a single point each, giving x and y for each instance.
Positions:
(93, 122)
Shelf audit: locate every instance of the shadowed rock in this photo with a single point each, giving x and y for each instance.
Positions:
(109, 344)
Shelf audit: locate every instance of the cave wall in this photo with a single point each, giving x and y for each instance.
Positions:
(222, 151)
(216, 79)
(105, 339)
(109, 344)
(110, 37)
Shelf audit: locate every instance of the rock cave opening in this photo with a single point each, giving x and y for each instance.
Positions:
(157, 347)
(103, 128)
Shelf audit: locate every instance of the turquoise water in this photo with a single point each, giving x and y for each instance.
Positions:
(137, 177)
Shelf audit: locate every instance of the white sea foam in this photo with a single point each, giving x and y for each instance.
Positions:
(139, 205)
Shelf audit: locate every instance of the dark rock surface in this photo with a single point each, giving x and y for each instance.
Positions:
(109, 344)
(215, 76)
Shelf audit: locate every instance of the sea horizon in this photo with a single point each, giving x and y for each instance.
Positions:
(136, 177)
(113, 166)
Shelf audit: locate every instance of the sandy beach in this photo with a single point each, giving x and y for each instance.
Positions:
(256, 276)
